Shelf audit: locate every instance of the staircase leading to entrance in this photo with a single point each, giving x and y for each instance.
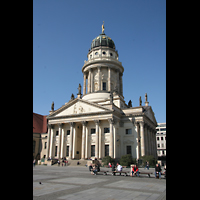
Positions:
(74, 162)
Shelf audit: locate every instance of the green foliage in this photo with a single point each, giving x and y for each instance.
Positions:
(150, 159)
(127, 160)
(107, 160)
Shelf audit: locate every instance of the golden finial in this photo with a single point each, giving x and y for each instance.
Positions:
(103, 27)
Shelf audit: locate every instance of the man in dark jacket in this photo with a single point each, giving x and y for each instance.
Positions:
(113, 167)
(158, 169)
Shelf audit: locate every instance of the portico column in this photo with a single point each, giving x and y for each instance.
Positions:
(86, 144)
(111, 121)
(138, 140)
(71, 139)
(97, 139)
(155, 144)
(142, 138)
(48, 140)
(62, 142)
(83, 140)
(74, 142)
(151, 146)
(59, 140)
(100, 144)
(84, 84)
(146, 140)
(51, 143)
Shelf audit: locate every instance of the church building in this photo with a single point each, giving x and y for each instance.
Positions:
(98, 122)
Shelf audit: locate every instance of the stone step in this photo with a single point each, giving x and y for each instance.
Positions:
(74, 162)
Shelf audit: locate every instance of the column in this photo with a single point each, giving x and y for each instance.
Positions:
(51, 143)
(142, 138)
(121, 85)
(92, 82)
(114, 141)
(111, 121)
(83, 140)
(138, 140)
(71, 139)
(86, 144)
(74, 142)
(97, 139)
(48, 140)
(100, 144)
(89, 81)
(59, 138)
(109, 81)
(99, 79)
(118, 88)
(146, 140)
(155, 145)
(84, 83)
(62, 143)
(151, 142)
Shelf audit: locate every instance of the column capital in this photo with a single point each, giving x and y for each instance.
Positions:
(60, 125)
(84, 123)
(72, 124)
(141, 123)
(111, 121)
(97, 122)
(50, 125)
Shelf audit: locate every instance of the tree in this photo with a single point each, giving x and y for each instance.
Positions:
(127, 160)
(150, 159)
(107, 160)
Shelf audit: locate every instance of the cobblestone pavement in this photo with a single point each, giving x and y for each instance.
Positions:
(75, 183)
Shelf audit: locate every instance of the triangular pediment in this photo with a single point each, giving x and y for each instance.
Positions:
(78, 106)
(150, 114)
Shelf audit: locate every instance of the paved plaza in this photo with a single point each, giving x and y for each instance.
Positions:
(76, 182)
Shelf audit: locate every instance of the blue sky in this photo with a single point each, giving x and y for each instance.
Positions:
(62, 34)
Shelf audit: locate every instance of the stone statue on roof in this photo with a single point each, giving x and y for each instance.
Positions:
(140, 100)
(79, 89)
(52, 106)
(130, 104)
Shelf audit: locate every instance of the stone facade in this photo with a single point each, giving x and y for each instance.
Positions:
(99, 122)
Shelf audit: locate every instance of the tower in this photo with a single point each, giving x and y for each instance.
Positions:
(103, 72)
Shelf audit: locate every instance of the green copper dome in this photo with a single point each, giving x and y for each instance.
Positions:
(102, 40)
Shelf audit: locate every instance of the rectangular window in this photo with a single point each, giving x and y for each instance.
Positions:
(56, 133)
(68, 132)
(67, 151)
(56, 148)
(158, 145)
(106, 150)
(93, 130)
(158, 138)
(128, 150)
(92, 150)
(104, 85)
(128, 131)
(45, 145)
(106, 130)
(161, 138)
